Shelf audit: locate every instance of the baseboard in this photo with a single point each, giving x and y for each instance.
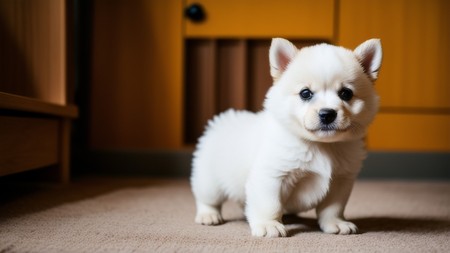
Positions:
(378, 165)
(136, 163)
(407, 165)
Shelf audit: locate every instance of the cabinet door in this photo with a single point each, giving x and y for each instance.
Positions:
(311, 19)
(414, 84)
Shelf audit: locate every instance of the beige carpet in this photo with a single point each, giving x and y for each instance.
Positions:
(145, 215)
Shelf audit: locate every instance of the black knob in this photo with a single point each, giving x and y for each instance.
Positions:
(195, 12)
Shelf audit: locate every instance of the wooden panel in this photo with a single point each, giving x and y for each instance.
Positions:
(32, 49)
(259, 80)
(27, 143)
(264, 18)
(216, 78)
(137, 92)
(416, 36)
(200, 100)
(410, 132)
(223, 74)
(231, 74)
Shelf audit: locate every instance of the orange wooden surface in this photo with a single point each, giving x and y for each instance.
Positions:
(410, 132)
(414, 85)
(137, 92)
(309, 19)
(415, 35)
(33, 49)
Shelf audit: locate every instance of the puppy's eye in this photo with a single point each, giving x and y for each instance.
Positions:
(345, 94)
(306, 94)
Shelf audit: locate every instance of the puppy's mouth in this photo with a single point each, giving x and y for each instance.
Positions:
(328, 129)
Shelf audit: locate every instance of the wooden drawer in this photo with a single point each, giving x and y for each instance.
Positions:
(410, 132)
(310, 19)
(27, 143)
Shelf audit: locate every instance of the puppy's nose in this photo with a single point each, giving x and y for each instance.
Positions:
(327, 116)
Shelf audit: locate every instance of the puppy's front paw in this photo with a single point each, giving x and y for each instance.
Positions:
(338, 226)
(209, 218)
(269, 229)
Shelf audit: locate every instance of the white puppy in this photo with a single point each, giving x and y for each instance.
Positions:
(303, 151)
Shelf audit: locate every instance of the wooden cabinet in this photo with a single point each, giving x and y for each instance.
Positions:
(158, 76)
(35, 90)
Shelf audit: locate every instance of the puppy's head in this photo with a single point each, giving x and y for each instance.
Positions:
(324, 93)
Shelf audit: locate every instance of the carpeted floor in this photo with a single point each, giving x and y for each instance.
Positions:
(148, 215)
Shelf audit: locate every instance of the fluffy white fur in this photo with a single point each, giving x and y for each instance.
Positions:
(283, 159)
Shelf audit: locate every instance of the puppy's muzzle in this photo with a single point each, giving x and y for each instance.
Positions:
(327, 116)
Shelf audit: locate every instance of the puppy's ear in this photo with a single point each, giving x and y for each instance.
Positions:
(369, 55)
(281, 54)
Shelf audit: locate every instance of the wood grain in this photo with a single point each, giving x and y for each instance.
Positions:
(415, 35)
(413, 83)
(410, 132)
(27, 143)
(201, 88)
(310, 19)
(33, 49)
(136, 85)
(232, 71)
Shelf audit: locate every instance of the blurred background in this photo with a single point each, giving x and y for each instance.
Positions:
(136, 80)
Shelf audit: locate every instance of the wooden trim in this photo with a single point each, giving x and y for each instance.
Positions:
(15, 102)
